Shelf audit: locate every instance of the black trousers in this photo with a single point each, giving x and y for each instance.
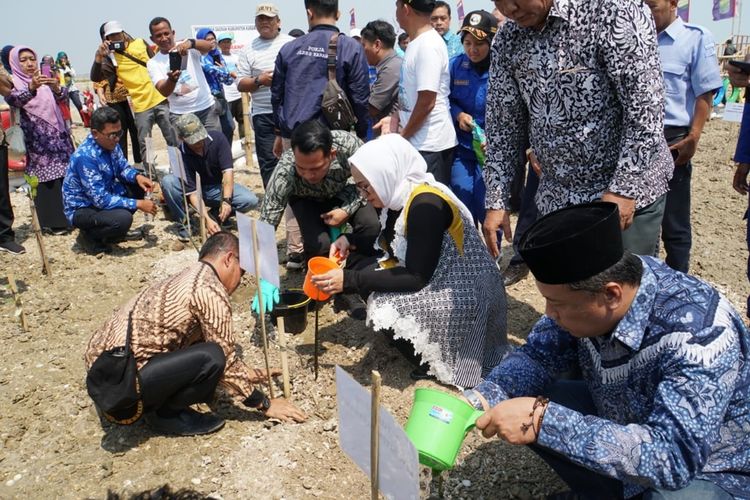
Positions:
(6, 209)
(106, 225)
(315, 236)
(128, 125)
(178, 379)
(676, 231)
(440, 164)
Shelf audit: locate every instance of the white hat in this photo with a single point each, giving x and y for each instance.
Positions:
(112, 27)
(355, 32)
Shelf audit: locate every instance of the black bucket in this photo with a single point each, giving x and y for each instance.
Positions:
(292, 307)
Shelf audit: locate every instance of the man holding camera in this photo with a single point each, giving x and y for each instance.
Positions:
(121, 57)
(177, 73)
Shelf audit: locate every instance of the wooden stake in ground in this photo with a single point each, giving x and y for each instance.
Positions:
(17, 299)
(374, 436)
(262, 313)
(201, 206)
(248, 129)
(37, 228)
(284, 359)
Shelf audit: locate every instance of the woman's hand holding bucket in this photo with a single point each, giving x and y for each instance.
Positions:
(331, 282)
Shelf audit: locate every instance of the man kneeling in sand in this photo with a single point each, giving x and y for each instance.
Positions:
(183, 343)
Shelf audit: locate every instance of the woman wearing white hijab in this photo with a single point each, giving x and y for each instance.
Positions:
(437, 286)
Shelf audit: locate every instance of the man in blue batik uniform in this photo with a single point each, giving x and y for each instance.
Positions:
(664, 403)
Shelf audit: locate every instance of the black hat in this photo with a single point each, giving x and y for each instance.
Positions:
(421, 5)
(481, 24)
(296, 33)
(574, 243)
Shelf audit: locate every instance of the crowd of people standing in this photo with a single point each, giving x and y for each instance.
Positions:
(582, 116)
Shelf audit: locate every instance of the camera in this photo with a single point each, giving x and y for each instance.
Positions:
(175, 61)
(116, 45)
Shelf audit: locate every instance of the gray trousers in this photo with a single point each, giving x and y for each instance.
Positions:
(144, 122)
(642, 237)
(209, 117)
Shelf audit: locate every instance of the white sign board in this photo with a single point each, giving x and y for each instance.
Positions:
(150, 152)
(269, 257)
(398, 460)
(243, 33)
(733, 112)
(175, 162)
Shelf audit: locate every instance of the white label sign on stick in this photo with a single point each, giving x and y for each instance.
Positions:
(398, 460)
(150, 152)
(175, 162)
(269, 257)
(199, 192)
(733, 112)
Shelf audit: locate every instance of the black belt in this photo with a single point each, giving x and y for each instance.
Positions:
(675, 134)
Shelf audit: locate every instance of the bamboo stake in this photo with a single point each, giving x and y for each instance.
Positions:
(37, 228)
(374, 436)
(201, 206)
(284, 357)
(248, 129)
(17, 300)
(262, 313)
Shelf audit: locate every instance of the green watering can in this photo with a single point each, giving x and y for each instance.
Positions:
(437, 426)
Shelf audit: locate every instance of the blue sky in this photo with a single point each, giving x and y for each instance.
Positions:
(72, 26)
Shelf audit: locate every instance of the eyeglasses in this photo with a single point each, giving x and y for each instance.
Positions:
(113, 135)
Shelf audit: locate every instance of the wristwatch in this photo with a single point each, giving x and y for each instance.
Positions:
(192, 42)
(227, 200)
(256, 81)
(265, 404)
(258, 400)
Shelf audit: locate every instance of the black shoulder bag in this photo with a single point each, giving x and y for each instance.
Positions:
(114, 384)
(336, 107)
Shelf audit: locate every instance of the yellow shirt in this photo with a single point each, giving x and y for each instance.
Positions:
(135, 77)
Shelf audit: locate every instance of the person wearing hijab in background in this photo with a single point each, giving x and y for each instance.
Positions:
(67, 77)
(468, 98)
(436, 286)
(217, 75)
(113, 93)
(5, 57)
(49, 62)
(48, 145)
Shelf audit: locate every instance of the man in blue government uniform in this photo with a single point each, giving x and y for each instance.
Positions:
(691, 75)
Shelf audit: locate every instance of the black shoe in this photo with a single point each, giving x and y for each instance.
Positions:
(515, 273)
(352, 304)
(133, 235)
(420, 373)
(186, 422)
(295, 260)
(12, 247)
(90, 246)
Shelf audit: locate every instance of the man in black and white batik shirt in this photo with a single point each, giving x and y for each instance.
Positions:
(578, 82)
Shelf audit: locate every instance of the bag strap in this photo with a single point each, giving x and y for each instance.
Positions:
(129, 333)
(332, 56)
(131, 57)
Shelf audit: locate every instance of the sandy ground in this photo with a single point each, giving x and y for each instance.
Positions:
(52, 444)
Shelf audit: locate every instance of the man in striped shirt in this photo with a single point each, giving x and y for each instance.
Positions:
(184, 345)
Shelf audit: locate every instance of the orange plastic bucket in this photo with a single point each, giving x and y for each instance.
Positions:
(316, 266)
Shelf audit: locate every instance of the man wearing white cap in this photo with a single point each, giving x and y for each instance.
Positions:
(255, 69)
(122, 57)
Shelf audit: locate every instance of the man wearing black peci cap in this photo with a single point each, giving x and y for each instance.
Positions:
(664, 404)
